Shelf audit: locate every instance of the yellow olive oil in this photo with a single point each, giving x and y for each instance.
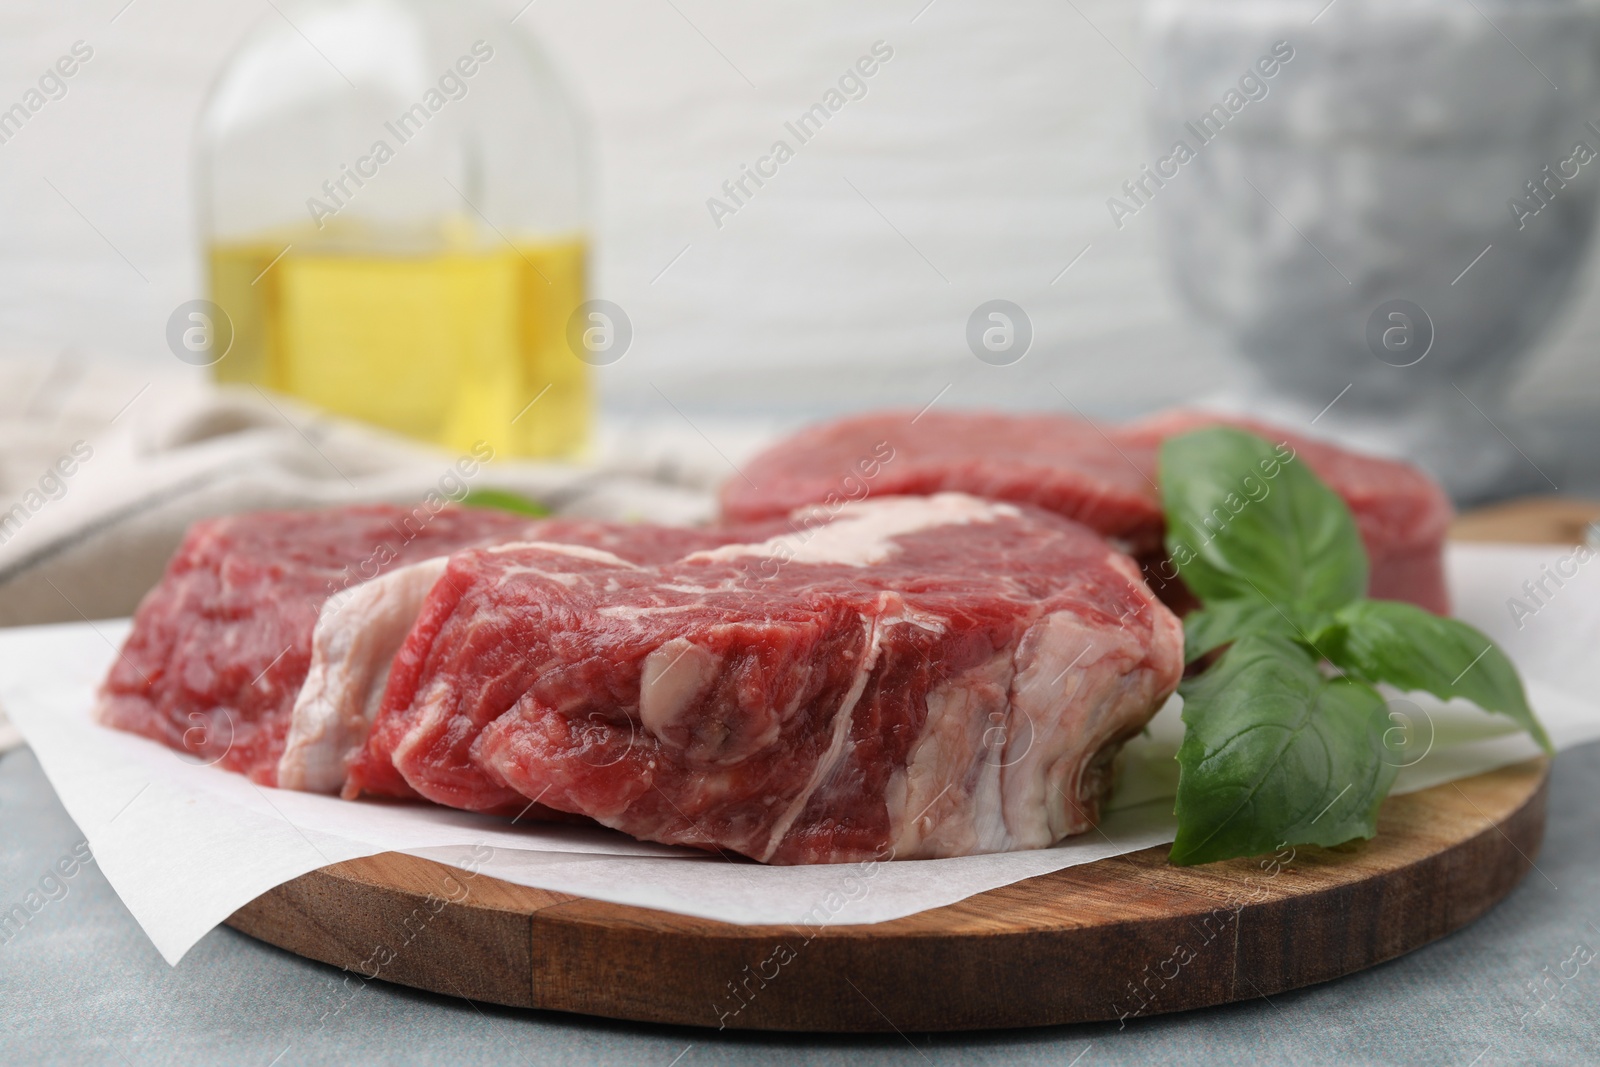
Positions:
(450, 346)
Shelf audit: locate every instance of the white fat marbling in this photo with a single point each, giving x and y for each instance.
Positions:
(947, 800)
(1005, 760)
(872, 634)
(1077, 689)
(597, 555)
(352, 650)
(674, 676)
(862, 534)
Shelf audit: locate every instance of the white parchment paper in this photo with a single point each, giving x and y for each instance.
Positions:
(186, 844)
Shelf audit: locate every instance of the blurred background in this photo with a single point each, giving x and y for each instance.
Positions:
(980, 163)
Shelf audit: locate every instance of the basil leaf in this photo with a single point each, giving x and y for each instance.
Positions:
(1249, 520)
(1274, 753)
(1222, 621)
(503, 500)
(1409, 648)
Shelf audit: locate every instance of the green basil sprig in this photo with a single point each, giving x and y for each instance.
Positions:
(1279, 749)
(1275, 752)
(1246, 522)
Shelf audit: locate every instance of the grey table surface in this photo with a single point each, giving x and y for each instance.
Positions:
(81, 984)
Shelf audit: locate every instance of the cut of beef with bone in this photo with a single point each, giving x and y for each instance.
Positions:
(915, 676)
(1104, 477)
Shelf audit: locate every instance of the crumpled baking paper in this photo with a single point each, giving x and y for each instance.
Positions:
(186, 844)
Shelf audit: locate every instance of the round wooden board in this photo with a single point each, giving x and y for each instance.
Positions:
(1082, 944)
(1124, 936)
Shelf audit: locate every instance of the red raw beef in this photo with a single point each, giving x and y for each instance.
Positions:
(220, 647)
(1102, 477)
(912, 676)
(1062, 465)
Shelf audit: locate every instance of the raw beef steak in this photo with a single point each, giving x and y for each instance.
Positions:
(1104, 478)
(907, 677)
(221, 646)
(1062, 465)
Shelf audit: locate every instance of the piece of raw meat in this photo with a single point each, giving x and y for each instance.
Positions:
(225, 649)
(1104, 477)
(221, 646)
(908, 677)
(1063, 465)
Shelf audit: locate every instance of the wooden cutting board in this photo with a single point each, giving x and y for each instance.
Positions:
(1127, 936)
